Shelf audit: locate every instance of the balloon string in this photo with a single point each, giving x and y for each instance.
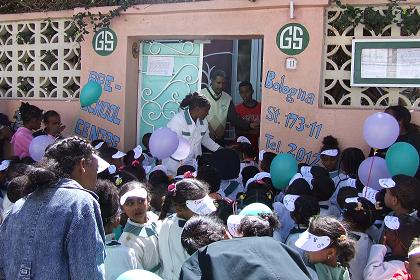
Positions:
(370, 170)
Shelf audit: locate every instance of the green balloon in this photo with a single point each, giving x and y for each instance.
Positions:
(282, 169)
(90, 94)
(402, 158)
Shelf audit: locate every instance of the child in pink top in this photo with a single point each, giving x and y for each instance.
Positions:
(31, 117)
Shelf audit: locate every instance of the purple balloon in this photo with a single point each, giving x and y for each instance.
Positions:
(38, 146)
(379, 170)
(380, 130)
(163, 142)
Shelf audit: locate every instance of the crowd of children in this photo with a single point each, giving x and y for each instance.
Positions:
(222, 218)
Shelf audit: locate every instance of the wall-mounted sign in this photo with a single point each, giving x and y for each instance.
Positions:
(292, 38)
(385, 62)
(104, 42)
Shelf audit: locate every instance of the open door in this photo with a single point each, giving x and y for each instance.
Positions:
(169, 70)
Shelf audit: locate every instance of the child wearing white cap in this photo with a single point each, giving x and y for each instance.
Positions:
(325, 243)
(256, 219)
(189, 197)
(140, 232)
(330, 154)
(400, 231)
(301, 208)
(359, 214)
(412, 265)
(119, 258)
(402, 194)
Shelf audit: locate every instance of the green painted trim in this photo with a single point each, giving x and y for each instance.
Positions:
(187, 117)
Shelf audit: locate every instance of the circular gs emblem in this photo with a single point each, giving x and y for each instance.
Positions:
(104, 42)
(292, 38)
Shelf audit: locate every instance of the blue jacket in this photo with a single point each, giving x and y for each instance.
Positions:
(55, 233)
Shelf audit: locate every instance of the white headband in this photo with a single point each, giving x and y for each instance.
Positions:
(258, 176)
(243, 139)
(161, 168)
(392, 222)
(99, 145)
(137, 152)
(387, 183)
(306, 171)
(369, 194)
(102, 164)
(415, 251)
(112, 169)
(295, 177)
(352, 200)
(203, 206)
(137, 192)
(118, 155)
(4, 164)
(331, 153)
(261, 155)
(289, 201)
(312, 243)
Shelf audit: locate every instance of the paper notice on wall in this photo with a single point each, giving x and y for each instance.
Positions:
(374, 63)
(408, 63)
(160, 65)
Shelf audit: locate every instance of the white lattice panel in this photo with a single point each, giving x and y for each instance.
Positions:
(39, 60)
(336, 90)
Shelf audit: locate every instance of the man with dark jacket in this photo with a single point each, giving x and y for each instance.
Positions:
(245, 258)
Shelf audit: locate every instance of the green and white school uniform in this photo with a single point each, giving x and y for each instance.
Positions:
(320, 271)
(172, 253)
(119, 258)
(196, 133)
(143, 238)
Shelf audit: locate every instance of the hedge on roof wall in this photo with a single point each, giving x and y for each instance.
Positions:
(29, 6)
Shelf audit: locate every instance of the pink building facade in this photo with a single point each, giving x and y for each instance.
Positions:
(287, 95)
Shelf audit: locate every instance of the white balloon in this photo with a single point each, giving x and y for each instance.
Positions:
(38, 146)
(183, 150)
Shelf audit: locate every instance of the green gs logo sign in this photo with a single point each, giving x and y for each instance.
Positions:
(292, 38)
(104, 42)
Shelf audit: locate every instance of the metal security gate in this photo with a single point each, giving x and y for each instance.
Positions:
(169, 70)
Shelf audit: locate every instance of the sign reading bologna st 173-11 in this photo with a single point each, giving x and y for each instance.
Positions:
(104, 42)
(292, 38)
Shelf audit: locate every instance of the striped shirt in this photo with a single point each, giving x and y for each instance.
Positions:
(21, 141)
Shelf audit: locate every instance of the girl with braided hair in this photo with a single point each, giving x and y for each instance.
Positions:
(189, 197)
